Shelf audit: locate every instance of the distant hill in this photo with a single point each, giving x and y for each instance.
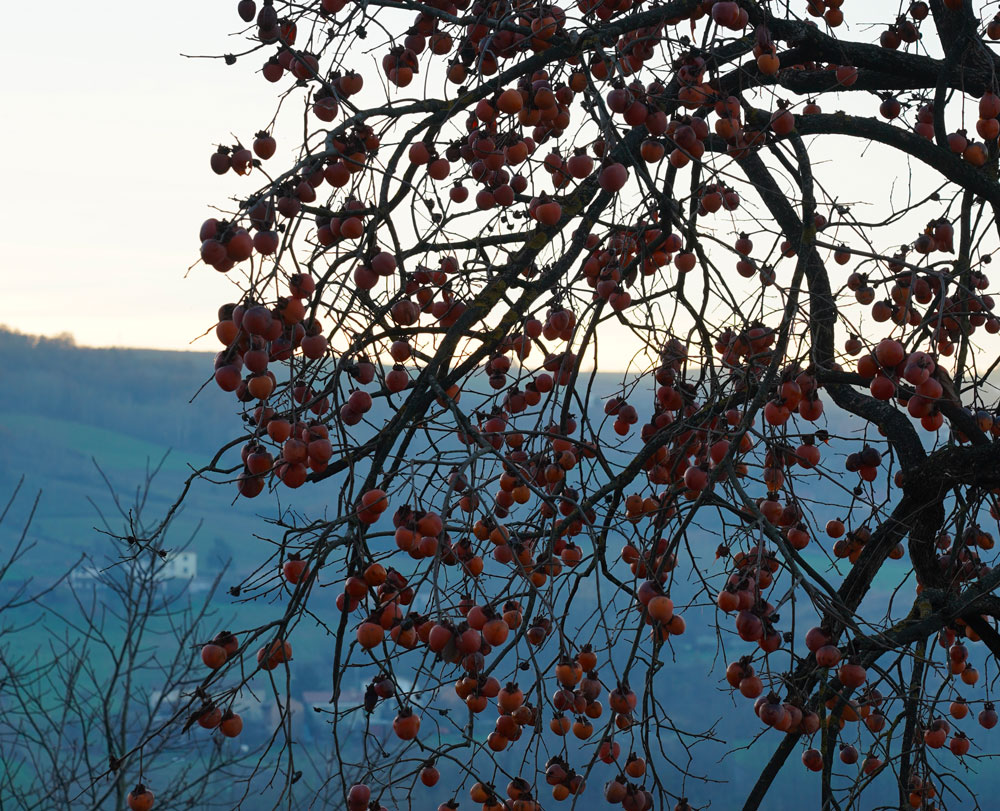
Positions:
(125, 409)
(68, 406)
(138, 393)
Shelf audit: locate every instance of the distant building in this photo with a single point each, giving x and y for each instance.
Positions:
(318, 699)
(275, 713)
(83, 574)
(164, 704)
(180, 565)
(167, 704)
(176, 566)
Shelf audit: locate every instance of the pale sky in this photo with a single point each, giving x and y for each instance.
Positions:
(104, 155)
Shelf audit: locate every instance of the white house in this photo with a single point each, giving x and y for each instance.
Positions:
(176, 566)
(181, 565)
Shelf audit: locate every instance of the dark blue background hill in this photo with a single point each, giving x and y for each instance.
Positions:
(67, 406)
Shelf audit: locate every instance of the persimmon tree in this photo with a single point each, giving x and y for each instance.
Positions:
(490, 204)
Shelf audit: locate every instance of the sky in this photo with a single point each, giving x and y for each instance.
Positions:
(105, 152)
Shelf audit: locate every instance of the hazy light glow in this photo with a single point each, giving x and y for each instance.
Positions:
(106, 142)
